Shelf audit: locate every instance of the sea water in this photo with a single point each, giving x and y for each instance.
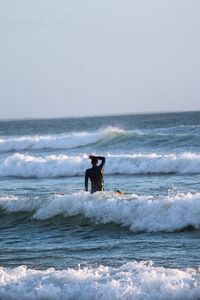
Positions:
(59, 242)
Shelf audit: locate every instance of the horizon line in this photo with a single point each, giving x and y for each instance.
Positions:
(95, 116)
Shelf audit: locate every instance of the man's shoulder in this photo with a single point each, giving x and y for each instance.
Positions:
(88, 170)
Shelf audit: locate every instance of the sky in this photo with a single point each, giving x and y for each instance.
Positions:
(61, 58)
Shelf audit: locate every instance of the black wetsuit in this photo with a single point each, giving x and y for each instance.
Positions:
(96, 176)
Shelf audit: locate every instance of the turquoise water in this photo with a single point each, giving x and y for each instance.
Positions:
(48, 221)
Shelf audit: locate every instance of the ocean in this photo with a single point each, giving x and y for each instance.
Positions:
(59, 242)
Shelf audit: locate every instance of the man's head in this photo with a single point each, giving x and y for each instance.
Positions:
(94, 161)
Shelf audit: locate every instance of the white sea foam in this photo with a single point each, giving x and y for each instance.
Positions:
(22, 165)
(79, 139)
(62, 141)
(12, 203)
(134, 280)
(138, 213)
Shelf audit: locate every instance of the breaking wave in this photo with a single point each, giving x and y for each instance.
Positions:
(133, 280)
(21, 165)
(108, 135)
(138, 213)
(62, 141)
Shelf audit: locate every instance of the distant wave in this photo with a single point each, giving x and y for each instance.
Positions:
(138, 213)
(62, 141)
(133, 280)
(21, 165)
(101, 136)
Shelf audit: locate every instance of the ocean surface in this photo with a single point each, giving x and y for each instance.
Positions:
(59, 242)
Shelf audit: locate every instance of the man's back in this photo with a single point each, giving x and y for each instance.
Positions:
(95, 174)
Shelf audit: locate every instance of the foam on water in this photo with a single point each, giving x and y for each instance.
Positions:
(21, 165)
(62, 141)
(134, 280)
(138, 213)
(86, 138)
(12, 203)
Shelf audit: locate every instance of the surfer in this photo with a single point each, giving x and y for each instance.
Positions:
(95, 174)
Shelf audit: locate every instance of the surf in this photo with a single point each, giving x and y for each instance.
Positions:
(138, 213)
(133, 280)
(60, 141)
(51, 166)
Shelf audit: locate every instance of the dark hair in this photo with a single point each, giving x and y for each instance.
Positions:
(94, 161)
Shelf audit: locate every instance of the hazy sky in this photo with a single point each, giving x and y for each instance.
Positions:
(88, 57)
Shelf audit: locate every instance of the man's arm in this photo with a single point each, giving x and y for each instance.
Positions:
(86, 181)
(102, 158)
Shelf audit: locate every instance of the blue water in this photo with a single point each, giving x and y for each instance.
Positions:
(153, 159)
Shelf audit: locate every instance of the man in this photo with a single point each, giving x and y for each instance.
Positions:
(95, 174)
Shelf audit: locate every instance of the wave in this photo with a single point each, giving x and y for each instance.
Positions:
(12, 203)
(101, 136)
(133, 280)
(21, 165)
(62, 141)
(138, 213)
